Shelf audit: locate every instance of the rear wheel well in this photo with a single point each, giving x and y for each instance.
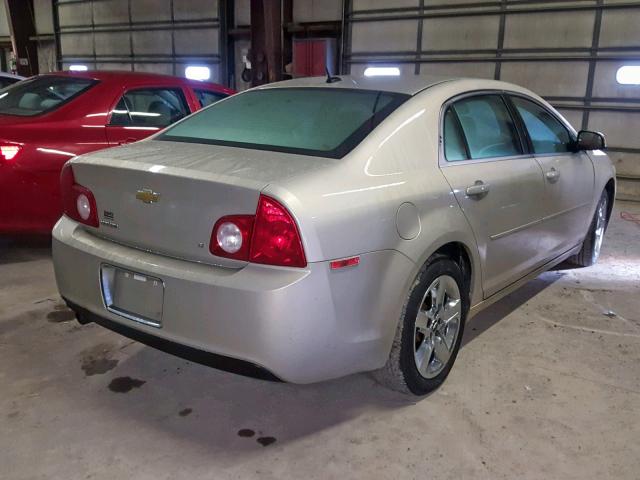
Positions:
(610, 188)
(457, 252)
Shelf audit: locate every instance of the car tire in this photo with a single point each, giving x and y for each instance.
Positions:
(416, 343)
(592, 244)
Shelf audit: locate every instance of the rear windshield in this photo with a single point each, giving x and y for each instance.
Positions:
(325, 122)
(41, 95)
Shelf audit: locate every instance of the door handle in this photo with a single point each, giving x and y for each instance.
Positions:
(479, 189)
(552, 175)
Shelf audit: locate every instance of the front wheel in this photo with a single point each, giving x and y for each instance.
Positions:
(592, 244)
(430, 329)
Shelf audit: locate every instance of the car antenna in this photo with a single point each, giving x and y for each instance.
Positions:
(330, 78)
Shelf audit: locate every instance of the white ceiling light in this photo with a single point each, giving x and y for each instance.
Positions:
(78, 68)
(382, 72)
(196, 72)
(628, 75)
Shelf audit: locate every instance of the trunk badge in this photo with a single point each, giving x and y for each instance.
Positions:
(147, 195)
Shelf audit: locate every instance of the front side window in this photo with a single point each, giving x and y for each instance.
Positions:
(326, 122)
(41, 94)
(488, 127)
(546, 133)
(207, 97)
(150, 107)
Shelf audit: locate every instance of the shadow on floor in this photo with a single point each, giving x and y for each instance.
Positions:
(504, 307)
(211, 408)
(24, 249)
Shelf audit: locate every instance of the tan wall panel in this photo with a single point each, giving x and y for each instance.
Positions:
(394, 35)
(110, 11)
(317, 10)
(620, 28)
(548, 30)
(152, 42)
(554, 79)
(75, 14)
(195, 9)
(374, 4)
(161, 68)
(151, 10)
(77, 44)
(116, 43)
(460, 33)
(621, 128)
(197, 42)
(476, 70)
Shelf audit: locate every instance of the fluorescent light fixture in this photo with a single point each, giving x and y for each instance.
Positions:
(78, 68)
(628, 75)
(195, 72)
(382, 72)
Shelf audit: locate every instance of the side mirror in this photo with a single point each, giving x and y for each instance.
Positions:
(591, 141)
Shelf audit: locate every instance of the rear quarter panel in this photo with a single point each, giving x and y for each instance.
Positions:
(351, 208)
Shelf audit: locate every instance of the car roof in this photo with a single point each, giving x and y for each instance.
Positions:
(406, 84)
(10, 75)
(135, 78)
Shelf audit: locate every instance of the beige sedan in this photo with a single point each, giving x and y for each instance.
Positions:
(311, 229)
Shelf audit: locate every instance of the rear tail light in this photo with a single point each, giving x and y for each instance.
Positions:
(78, 203)
(232, 237)
(269, 237)
(9, 152)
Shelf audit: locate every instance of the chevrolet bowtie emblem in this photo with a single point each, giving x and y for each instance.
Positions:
(147, 196)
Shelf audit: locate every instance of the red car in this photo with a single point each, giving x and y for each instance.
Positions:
(51, 118)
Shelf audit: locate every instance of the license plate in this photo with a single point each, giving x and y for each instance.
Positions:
(132, 295)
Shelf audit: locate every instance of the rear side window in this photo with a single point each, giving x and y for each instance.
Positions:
(325, 122)
(488, 127)
(207, 97)
(151, 107)
(5, 82)
(454, 142)
(546, 133)
(41, 95)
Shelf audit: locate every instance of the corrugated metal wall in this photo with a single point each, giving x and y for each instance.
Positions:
(161, 36)
(567, 51)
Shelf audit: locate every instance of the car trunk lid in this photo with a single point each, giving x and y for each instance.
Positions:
(165, 197)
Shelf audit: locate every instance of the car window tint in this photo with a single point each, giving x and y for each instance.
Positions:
(154, 107)
(41, 94)
(454, 142)
(547, 134)
(327, 122)
(207, 97)
(488, 127)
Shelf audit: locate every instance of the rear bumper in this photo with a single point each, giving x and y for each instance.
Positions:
(302, 325)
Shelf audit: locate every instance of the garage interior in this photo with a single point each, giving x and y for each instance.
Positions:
(547, 382)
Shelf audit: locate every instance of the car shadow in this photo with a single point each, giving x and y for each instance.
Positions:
(493, 314)
(229, 413)
(24, 249)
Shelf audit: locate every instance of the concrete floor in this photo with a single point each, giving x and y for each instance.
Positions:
(546, 387)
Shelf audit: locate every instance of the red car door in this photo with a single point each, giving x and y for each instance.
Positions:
(144, 110)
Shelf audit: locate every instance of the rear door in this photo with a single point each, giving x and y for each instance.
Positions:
(143, 111)
(568, 177)
(499, 187)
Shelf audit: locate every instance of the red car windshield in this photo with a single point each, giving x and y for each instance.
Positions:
(41, 95)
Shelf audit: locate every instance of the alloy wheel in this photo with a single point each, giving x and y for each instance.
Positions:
(437, 326)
